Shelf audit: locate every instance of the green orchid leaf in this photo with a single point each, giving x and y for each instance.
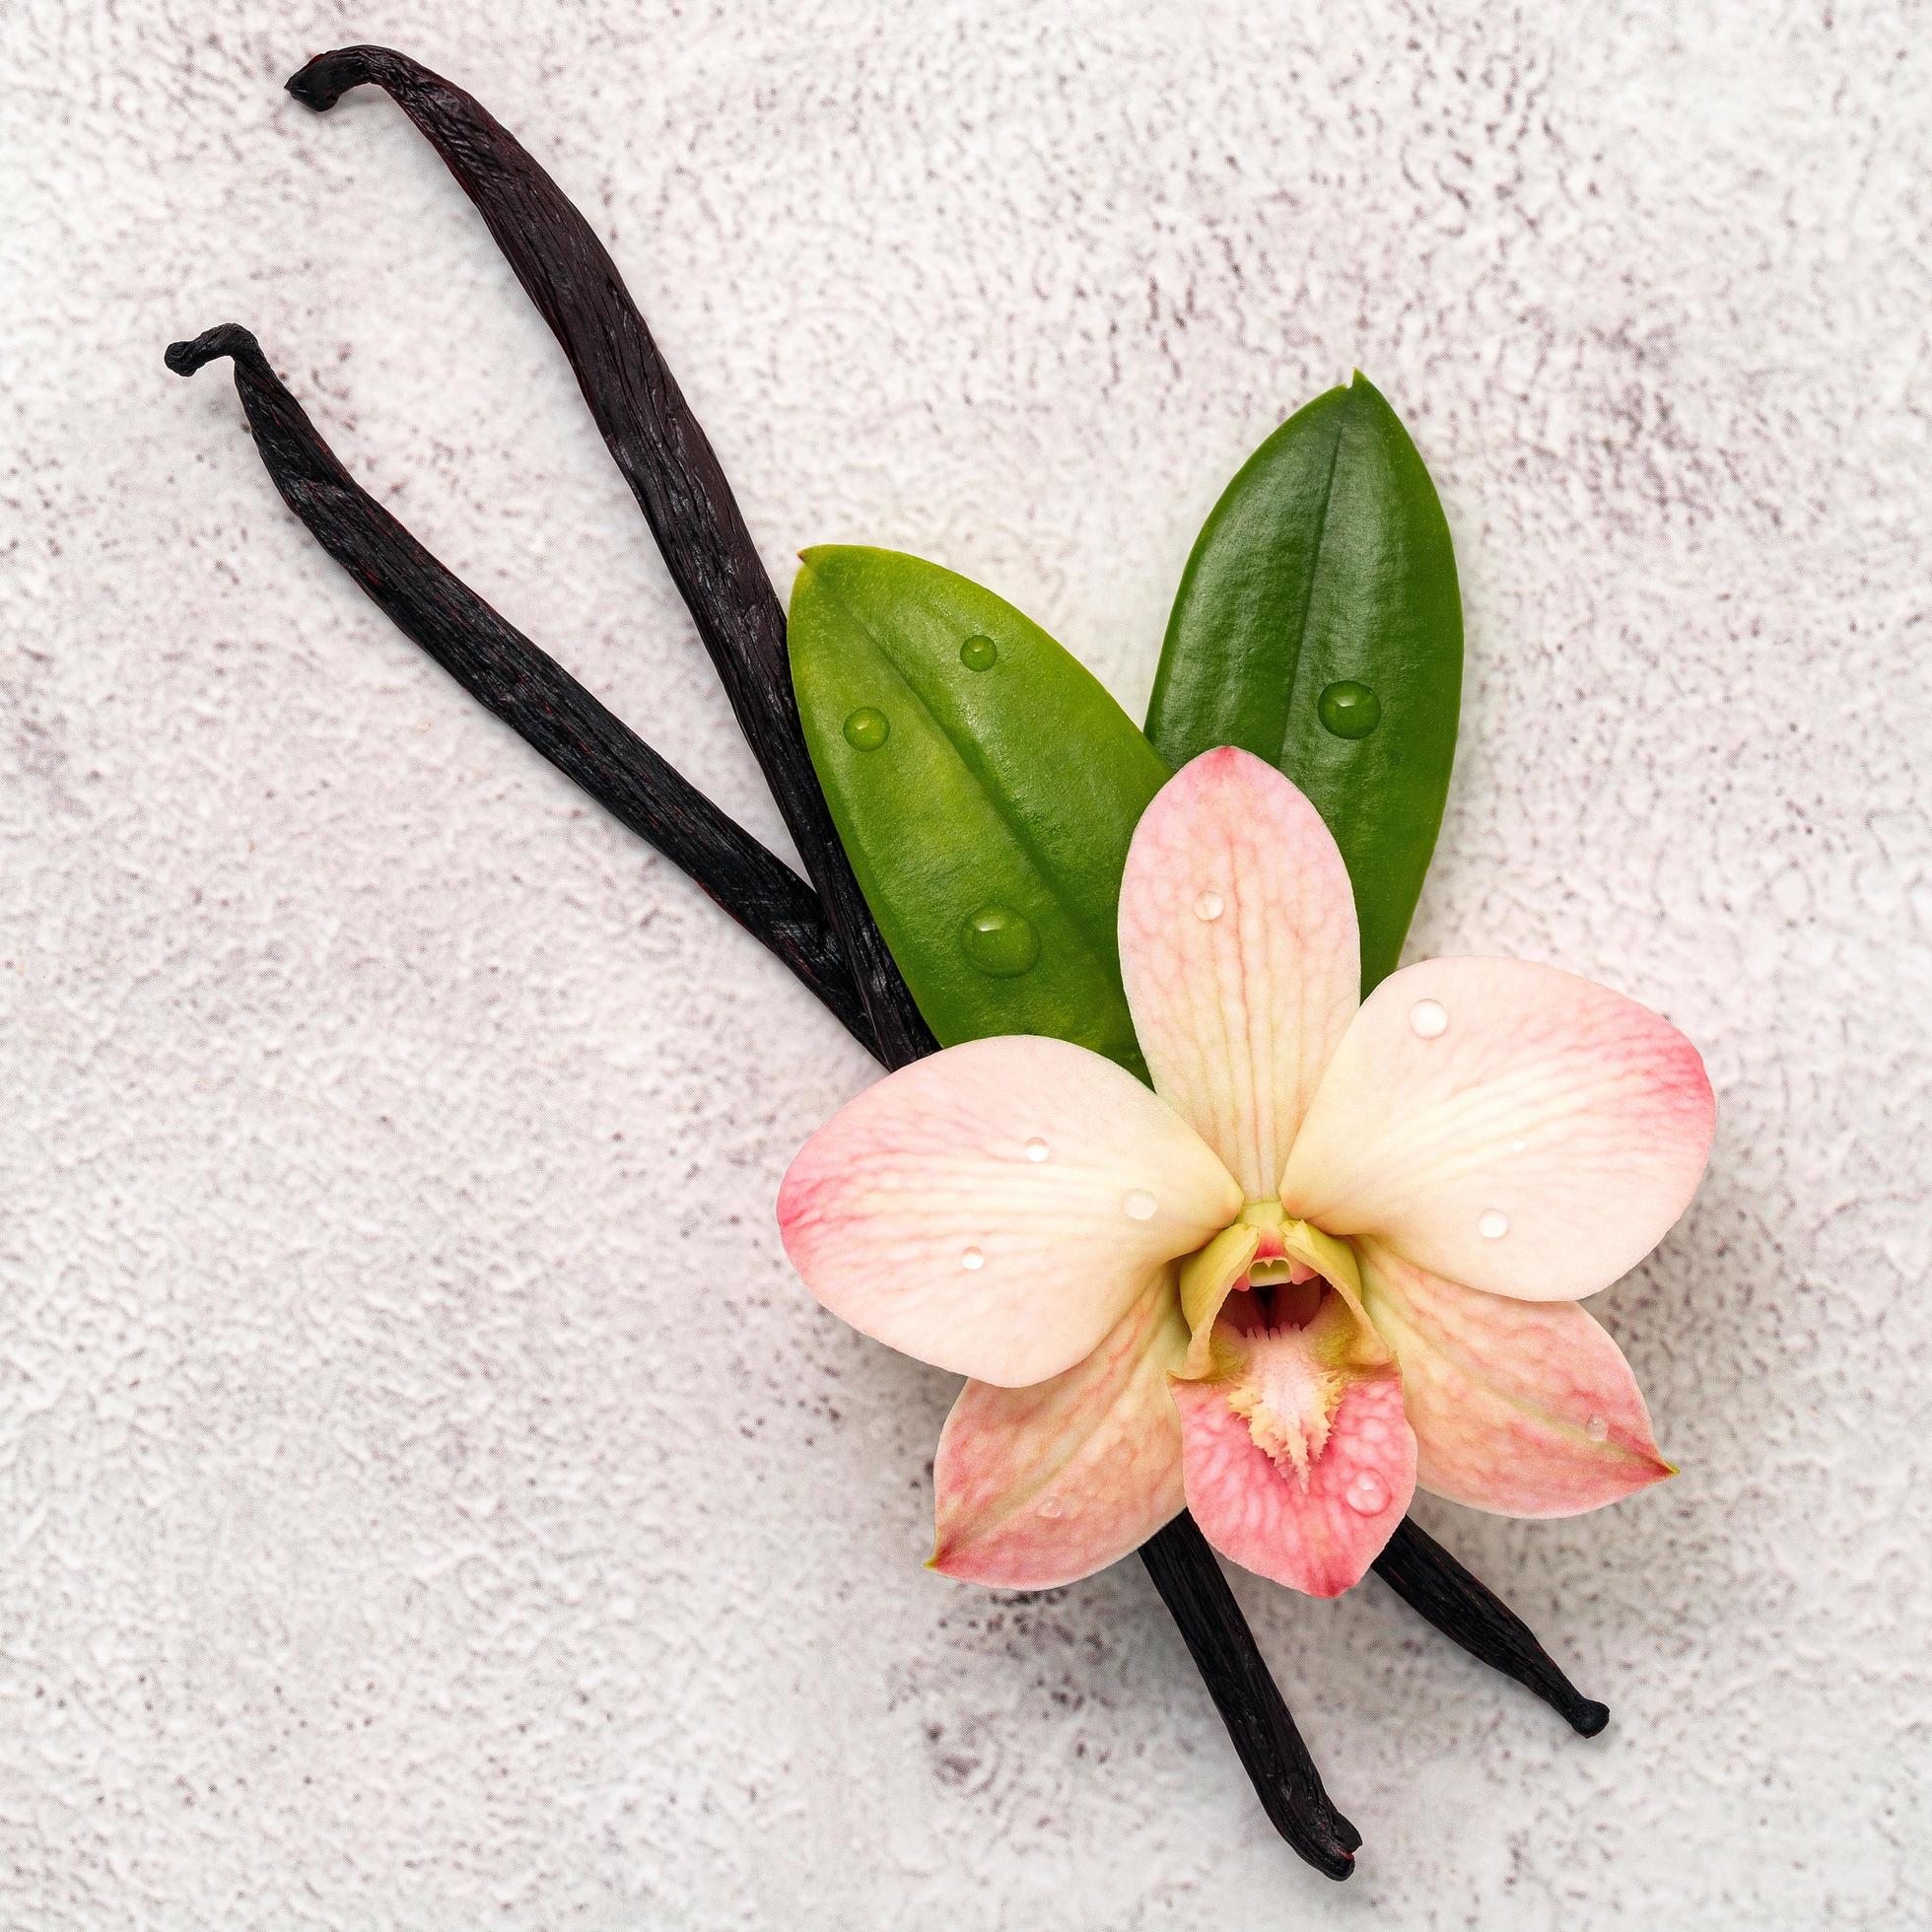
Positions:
(1318, 624)
(985, 786)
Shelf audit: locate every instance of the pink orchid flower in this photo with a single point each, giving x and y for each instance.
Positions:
(1335, 1252)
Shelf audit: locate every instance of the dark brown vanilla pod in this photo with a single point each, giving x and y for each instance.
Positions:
(1429, 1580)
(1265, 1738)
(667, 460)
(509, 675)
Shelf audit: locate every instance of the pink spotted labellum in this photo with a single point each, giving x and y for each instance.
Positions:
(1335, 1252)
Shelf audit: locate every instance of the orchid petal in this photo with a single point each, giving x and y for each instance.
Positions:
(1296, 1464)
(1527, 1408)
(1207, 1277)
(1239, 953)
(994, 1208)
(1335, 1260)
(1507, 1126)
(1034, 1488)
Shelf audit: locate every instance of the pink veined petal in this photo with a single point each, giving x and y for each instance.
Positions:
(1296, 1468)
(994, 1208)
(1527, 1408)
(1240, 955)
(1507, 1126)
(1038, 1487)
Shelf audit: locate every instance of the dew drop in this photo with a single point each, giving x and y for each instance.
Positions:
(1428, 1019)
(1210, 906)
(979, 654)
(1001, 943)
(867, 729)
(1493, 1227)
(1597, 1430)
(972, 1260)
(1348, 710)
(1139, 1205)
(1050, 1509)
(1036, 1149)
(1517, 1146)
(1366, 1494)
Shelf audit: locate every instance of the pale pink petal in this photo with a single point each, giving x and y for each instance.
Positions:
(1320, 1539)
(1296, 1458)
(1524, 1407)
(1239, 953)
(1038, 1487)
(1507, 1126)
(994, 1210)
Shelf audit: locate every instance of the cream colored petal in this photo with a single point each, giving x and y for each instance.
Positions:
(1239, 953)
(1506, 1126)
(994, 1208)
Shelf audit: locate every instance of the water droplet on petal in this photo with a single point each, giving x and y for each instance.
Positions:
(979, 654)
(867, 729)
(1210, 906)
(1001, 943)
(1036, 1149)
(1366, 1494)
(1517, 1146)
(1348, 710)
(1428, 1019)
(1050, 1509)
(1139, 1205)
(1597, 1430)
(972, 1260)
(1493, 1227)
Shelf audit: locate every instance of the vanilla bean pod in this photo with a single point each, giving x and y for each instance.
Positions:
(1428, 1579)
(664, 455)
(1198, 1597)
(505, 673)
(540, 701)
(667, 460)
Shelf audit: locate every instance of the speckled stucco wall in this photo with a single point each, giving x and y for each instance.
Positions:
(426, 1500)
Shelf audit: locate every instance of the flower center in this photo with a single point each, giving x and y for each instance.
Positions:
(1282, 1253)
(1289, 1382)
(1273, 1307)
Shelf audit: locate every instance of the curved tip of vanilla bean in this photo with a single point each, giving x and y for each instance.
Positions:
(229, 339)
(329, 76)
(1587, 1717)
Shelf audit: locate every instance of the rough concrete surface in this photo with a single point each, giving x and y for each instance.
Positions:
(426, 1498)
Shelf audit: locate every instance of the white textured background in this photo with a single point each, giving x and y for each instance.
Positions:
(425, 1497)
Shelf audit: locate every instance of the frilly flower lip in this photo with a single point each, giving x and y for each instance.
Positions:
(1335, 1252)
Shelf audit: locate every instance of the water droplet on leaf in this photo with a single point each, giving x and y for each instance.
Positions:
(867, 729)
(1210, 906)
(1003, 944)
(972, 1260)
(1493, 1227)
(1348, 710)
(1036, 1149)
(1139, 1205)
(1428, 1019)
(979, 654)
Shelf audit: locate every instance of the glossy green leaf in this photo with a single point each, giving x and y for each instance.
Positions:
(985, 786)
(1318, 624)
